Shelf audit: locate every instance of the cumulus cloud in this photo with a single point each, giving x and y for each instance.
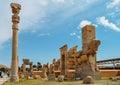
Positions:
(33, 12)
(105, 22)
(113, 3)
(77, 33)
(84, 23)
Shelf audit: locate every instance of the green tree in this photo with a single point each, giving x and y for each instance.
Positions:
(34, 67)
(3, 69)
(39, 65)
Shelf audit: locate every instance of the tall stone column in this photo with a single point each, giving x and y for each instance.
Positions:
(15, 20)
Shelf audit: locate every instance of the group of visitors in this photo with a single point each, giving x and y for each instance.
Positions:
(2, 74)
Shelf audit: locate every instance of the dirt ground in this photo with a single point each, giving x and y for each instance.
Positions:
(46, 82)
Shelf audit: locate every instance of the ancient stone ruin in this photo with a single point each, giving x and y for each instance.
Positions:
(27, 72)
(72, 64)
(15, 19)
(79, 64)
(44, 71)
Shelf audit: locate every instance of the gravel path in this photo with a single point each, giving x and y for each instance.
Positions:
(4, 79)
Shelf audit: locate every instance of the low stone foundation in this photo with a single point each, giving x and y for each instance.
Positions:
(51, 77)
(109, 73)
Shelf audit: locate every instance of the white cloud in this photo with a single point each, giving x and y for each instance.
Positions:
(112, 14)
(29, 16)
(43, 2)
(72, 34)
(76, 34)
(58, 1)
(5, 24)
(79, 37)
(105, 22)
(113, 3)
(33, 12)
(84, 23)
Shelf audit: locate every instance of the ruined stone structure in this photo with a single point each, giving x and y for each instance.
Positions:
(54, 69)
(89, 49)
(81, 63)
(68, 61)
(44, 72)
(15, 20)
(45, 68)
(56, 64)
(27, 62)
(27, 72)
(51, 69)
(73, 63)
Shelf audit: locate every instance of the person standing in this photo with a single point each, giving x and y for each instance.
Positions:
(8, 74)
(0, 74)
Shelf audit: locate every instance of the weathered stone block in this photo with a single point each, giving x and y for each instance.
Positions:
(44, 75)
(97, 75)
(51, 77)
(84, 58)
(36, 76)
(60, 78)
(88, 80)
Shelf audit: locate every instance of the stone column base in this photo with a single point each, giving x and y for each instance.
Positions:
(14, 79)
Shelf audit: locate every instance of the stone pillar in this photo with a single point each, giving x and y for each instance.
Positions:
(15, 20)
(88, 34)
(24, 68)
(44, 75)
(63, 63)
(31, 67)
(89, 49)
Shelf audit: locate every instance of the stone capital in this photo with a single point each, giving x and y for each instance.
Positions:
(15, 8)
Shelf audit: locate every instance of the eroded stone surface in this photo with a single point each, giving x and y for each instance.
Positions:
(60, 78)
(88, 80)
(51, 77)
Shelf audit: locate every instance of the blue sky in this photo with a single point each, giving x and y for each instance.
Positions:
(46, 25)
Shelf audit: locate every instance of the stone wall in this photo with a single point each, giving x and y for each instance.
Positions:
(37, 73)
(109, 73)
